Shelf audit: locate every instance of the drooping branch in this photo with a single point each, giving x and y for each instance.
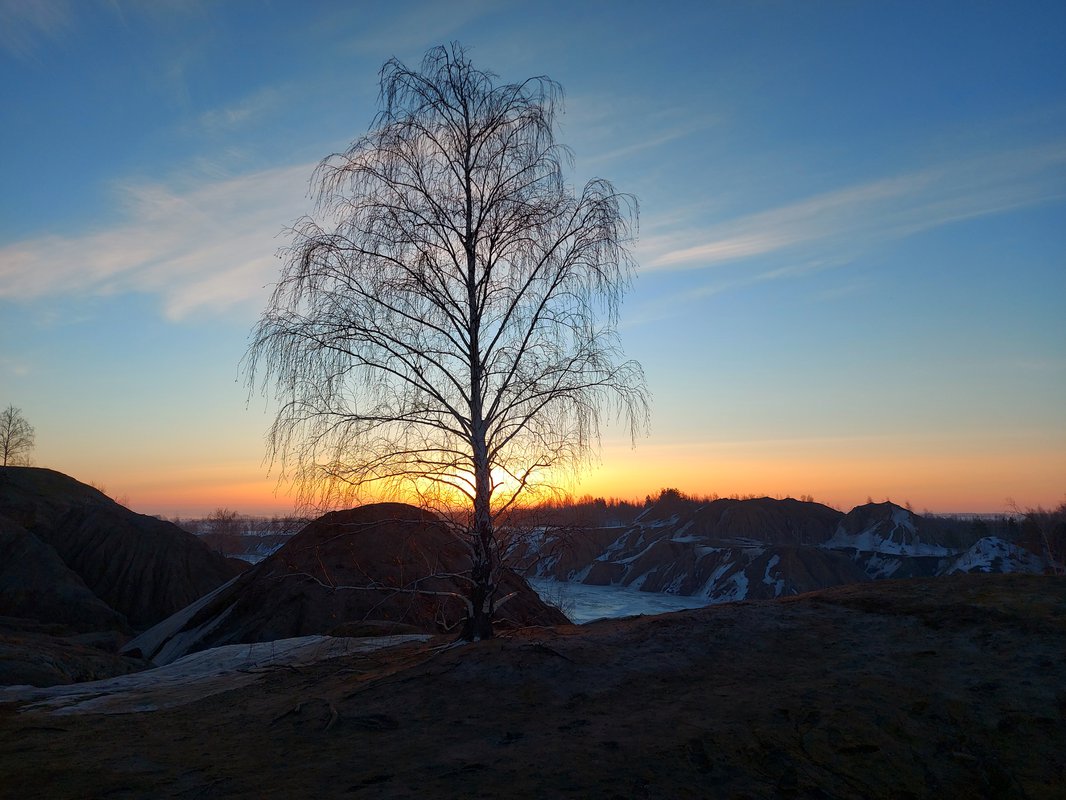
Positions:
(445, 324)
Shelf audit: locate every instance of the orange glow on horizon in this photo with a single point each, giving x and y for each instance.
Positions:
(838, 472)
(842, 474)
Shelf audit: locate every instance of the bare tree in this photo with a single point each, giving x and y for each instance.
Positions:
(447, 324)
(1043, 531)
(16, 438)
(224, 529)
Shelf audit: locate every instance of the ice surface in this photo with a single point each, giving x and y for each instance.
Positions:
(584, 603)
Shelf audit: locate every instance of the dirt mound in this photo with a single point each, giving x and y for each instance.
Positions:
(727, 550)
(355, 566)
(891, 529)
(947, 687)
(36, 584)
(766, 520)
(723, 550)
(142, 567)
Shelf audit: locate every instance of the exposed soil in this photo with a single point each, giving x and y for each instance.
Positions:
(74, 556)
(394, 547)
(953, 687)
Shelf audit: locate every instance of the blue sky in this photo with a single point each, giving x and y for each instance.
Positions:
(852, 239)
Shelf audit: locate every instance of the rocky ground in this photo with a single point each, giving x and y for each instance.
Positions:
(952, 687)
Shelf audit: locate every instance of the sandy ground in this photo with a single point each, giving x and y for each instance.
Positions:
(952, 687)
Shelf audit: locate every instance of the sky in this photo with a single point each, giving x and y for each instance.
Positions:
(852, 248)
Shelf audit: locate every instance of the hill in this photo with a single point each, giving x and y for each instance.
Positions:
(79, 573)
(385, 567)
(726, 549)
(142, 567)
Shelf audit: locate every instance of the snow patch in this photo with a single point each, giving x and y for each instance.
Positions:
(992, 554)
(617, 545)
(902, 518)
(631, 559)
(578, 576)
(702, 550)
(872, 540)
(769, 580)
(878, 567)
(679, 535)
(739, 591)
(149, 642)
(674, 586)
(637, 584)
(661, 523)
(711, 584)
(769, 566)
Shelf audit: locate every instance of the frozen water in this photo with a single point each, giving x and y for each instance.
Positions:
(584, 603)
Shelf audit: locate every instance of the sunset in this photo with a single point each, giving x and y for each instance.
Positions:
(850, 252)
(532, 400)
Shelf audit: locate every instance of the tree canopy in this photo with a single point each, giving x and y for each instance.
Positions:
(17, 438)
(445, 323)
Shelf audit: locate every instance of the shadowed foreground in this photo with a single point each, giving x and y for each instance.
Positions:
(953, 687)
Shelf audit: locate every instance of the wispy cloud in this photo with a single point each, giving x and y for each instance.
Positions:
(244, 111)
(26, 26)
(628, 124)
(649, 142)
(858, 217)
(205, 247)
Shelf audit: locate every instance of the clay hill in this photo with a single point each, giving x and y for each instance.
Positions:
(142, 567)
(953, 687)
(79, 573)
(349, 573)
(728, 549)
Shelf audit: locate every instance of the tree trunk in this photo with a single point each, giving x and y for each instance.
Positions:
(478, 625)
(483, 594)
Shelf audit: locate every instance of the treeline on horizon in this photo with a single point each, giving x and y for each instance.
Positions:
(1016, 526)
(1038, 529)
